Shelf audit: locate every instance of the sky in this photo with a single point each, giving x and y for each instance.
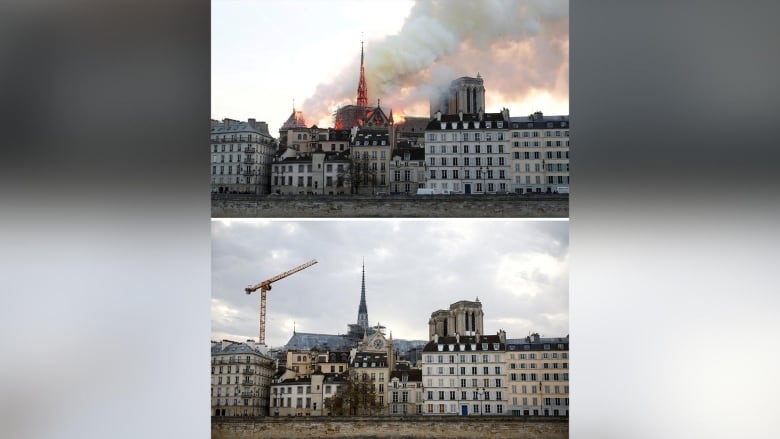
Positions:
(265, 54)
(518, 269)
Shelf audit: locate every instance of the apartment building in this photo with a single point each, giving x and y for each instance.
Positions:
(538, 376)
(241, 155)
(468, 153)
(240, 379)
(539, 146)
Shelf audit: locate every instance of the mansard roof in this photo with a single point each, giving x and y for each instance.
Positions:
(415, 153)
(330, 156)
(235, 348)
(371, 136)
(535, 343)
(488, 341)
(473, 120)
(231, 126)
(335, 135)
(411, 374)
(538, 120)
(378, 359)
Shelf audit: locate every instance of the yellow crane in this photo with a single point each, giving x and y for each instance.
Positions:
(265, 286)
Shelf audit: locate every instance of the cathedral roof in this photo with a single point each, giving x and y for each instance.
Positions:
(306, 341)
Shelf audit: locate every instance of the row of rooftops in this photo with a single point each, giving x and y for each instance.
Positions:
(405, 375)
(231, 126)
(465, 343)
(502, 121)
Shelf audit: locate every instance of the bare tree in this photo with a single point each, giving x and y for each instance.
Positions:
(358, 173)
(357, 397)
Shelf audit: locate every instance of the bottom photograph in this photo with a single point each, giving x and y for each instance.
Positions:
(389, 328)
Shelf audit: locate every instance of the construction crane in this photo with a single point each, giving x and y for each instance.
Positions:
(265, 286)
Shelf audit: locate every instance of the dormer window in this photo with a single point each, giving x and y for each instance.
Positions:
(484, 346)
(495, 346)
(444, 125)
(440, 347)
(487, 124)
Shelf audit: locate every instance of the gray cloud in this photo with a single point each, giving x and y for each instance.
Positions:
(412, 269)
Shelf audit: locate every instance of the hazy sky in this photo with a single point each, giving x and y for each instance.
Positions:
(518, 269)
(265, 53)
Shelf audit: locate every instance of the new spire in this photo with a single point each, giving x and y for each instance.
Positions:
(362, 96)
(363, 309)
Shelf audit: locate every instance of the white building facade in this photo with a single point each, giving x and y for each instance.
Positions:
(469, 153)
(465, 376)
(241, 155)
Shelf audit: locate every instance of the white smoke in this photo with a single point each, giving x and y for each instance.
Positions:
(518, 46)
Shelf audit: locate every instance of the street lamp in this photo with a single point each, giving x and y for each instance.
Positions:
(480, 393)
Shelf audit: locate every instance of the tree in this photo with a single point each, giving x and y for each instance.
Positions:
(356, 397)
(359, 172)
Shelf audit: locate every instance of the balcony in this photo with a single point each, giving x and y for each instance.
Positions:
(247, 395)
(248, 383)
(247, 173)
(250, 150)
(249, 161)
(248, 372)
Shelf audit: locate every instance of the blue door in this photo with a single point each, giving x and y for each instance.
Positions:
(464, 410)
(467, 188)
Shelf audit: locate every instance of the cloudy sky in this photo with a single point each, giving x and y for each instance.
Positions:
(518, 269)
(265, 53)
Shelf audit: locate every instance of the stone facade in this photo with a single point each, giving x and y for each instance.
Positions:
(413, 206)
(540, 153)
(386, 427)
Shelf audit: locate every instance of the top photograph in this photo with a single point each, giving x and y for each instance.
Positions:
(347, 109)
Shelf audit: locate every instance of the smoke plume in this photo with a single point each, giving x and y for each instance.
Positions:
(519, 47)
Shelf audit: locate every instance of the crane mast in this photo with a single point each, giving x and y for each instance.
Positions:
(265, 286)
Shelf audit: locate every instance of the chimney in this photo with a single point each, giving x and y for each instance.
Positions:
(435, 338)
(251, 122)
(460, 115)
(457, 337)
(438, 116)
(476, 337)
